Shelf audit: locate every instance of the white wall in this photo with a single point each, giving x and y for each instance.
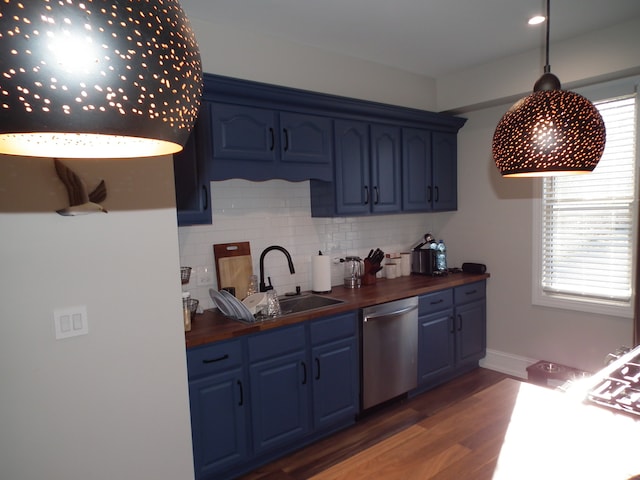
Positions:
(494, 225)
(494, 220)
(599, 56)
(112, 404)
(244, 54)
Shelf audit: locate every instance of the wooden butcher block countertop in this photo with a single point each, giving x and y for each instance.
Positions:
(212, 326)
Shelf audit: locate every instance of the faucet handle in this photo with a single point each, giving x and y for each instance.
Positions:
(264, 288)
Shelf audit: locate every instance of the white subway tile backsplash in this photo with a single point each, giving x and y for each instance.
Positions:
(278, 212)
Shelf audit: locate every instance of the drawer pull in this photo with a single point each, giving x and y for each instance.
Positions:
(436, 302)
(471, 292)
(218, 359)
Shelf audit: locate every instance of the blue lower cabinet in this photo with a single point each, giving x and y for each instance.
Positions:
(335, 384)
(218, 399)
(452, 334)
(335, 369)
(470, 345)
(259, 397)
(218, 423)
(280, 401)
(436, 346)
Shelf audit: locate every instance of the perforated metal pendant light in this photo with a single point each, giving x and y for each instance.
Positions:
(550, 132)
(97, 79)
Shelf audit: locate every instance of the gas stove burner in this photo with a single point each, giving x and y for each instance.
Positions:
(629, 372)
(619, 387)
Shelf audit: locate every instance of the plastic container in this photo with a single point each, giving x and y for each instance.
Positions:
(441, 257)
(186, 312)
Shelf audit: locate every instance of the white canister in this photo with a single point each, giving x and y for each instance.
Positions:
(391, 270)
(405, 264)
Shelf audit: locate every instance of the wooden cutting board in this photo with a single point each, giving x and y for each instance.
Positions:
(233, 266)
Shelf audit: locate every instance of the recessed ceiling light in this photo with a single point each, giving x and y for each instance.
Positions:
(536, 20)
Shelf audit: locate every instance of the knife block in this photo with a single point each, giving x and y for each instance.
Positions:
(370, 269)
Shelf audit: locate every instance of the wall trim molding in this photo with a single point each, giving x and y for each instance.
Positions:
(507, 363)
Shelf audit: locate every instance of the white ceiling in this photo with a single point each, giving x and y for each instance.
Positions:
(428, 37)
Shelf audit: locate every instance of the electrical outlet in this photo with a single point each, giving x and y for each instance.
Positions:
(70, 322)
(204, 276)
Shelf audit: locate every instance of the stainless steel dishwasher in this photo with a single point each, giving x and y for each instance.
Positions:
(389, 350)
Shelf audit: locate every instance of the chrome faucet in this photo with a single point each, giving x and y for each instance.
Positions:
(263, 286)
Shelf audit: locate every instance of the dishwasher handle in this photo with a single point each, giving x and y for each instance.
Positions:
(394, 313)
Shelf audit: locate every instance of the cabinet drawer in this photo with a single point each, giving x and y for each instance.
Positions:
(276, 343)
(214, 358)
(333, 328)
(470, 292)
(432, 302)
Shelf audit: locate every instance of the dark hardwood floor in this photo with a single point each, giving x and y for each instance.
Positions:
(373, 428)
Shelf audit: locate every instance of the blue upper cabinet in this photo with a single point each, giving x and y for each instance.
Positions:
(244, 134)
(385, 181)
(262, 144)
(367, 172)
(351, 169)
(445, 171)
(361, 158)
(417, 193)
(191, 174)
(429, 171)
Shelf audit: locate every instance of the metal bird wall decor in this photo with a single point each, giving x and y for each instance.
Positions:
(80, 203)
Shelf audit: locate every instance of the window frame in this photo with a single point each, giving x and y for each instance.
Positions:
(573, 302)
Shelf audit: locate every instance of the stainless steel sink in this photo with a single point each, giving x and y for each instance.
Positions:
(296, 304)
(305, 302)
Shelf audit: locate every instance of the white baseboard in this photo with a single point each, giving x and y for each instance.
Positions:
(506, 363)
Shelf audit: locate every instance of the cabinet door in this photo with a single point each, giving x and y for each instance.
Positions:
(335, 382)
(279, 400)
(218, 422)
(445, 171)
(436, 346)
(385, 183)
(353, 195)
(305, 140)
(471, 328)
(417, 190)
(191, 174)
(244, 133)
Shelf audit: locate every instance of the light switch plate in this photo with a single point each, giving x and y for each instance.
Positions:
(70, 321)
(204, 276)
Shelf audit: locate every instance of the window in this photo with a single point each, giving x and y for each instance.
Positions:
(585, 248)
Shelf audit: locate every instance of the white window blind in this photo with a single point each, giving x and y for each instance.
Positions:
(588, 220)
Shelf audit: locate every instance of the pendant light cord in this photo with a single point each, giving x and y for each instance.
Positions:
(548, 81)
(547, 67)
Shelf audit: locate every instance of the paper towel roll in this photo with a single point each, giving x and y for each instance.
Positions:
(321, 274)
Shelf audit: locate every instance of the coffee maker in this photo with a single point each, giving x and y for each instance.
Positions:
(423, 260)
